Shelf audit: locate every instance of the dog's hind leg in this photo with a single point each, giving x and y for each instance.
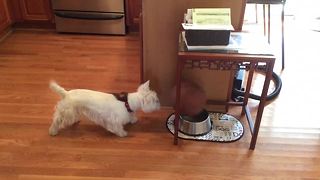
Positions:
(64, 116)
(56, 123)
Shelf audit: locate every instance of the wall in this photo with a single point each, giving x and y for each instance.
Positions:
(5, 20)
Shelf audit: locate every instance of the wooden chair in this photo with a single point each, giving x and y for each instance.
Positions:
(268, 3)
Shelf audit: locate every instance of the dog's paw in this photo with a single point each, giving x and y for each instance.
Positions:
(53, 132)
(134, 120)
(122, 134)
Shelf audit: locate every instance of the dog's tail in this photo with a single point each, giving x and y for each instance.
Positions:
(58, 89)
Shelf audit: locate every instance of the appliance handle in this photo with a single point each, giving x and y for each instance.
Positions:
(88, 15)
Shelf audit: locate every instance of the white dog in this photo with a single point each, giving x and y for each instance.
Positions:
(102, 108)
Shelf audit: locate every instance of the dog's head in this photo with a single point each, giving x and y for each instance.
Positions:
(150, 101)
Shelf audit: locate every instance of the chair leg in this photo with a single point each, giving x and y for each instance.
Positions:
(256, 9)
(264, 19)
(282, 31)
(269, 23)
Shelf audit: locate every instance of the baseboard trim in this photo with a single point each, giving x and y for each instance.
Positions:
(5, 34)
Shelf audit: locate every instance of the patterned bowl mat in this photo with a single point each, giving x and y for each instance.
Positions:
(225, 128)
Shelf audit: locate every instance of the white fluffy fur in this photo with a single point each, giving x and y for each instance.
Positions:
(101, 108)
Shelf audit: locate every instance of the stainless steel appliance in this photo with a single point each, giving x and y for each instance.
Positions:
(90, 16)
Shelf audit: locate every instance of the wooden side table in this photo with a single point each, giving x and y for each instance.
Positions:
(247, 54)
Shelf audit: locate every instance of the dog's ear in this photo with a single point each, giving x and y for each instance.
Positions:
(147, 84)
(144, 87)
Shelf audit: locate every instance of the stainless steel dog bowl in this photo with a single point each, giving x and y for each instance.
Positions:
(197, 125)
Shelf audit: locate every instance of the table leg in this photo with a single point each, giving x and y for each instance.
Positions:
(269, 69)
(248, 87)
(230, 88)
(177, 105)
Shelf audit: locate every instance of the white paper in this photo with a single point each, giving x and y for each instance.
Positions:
(187, 26)
(216, 16)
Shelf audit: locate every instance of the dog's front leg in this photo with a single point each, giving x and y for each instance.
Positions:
(116, 129)
(119, 131)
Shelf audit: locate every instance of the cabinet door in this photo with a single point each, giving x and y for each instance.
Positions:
(36, 10)
(4, 16)
(133, 11)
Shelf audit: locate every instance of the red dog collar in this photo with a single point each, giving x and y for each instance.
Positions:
(123, 96)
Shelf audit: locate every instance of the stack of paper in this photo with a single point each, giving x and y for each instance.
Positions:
(209, 18)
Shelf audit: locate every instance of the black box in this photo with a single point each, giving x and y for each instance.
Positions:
(197, 37)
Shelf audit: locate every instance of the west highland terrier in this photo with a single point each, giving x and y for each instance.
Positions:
(107, 110)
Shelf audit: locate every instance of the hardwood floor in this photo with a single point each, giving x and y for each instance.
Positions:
(288, 144)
